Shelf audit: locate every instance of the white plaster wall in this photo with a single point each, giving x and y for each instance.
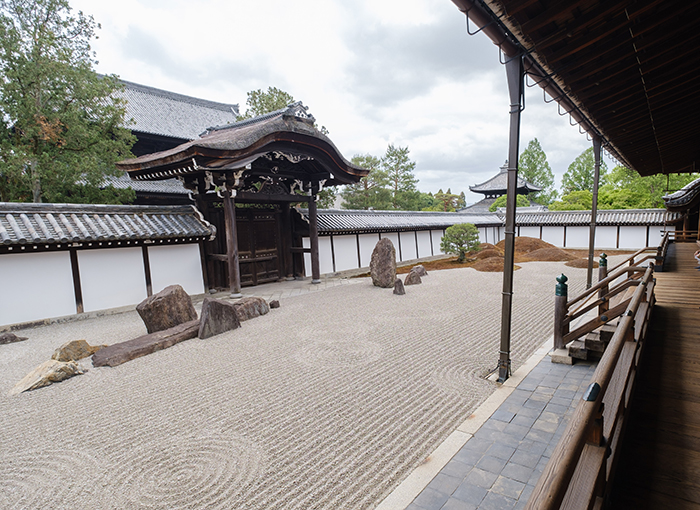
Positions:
(367, 244)
(605, 237)
(176, 264)
(577, 237)
(500, 233)
(408, 245)
(437, 240)
(482, 235)
(345, 249)
(656, 234)
(530, 232)
(633, 237)
(424, 244)
(111, 277)
(553, 235)
(394, 236)
(325, 256)
(35, 286)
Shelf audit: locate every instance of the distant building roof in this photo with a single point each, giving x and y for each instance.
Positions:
(168, 186)
(331, 221)
(498, 185)
(164, 113)
(683, 198)
(604, 217)
(46, 225)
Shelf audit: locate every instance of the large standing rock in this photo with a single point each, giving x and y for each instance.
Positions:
(9, 338)
(116, 354)
(399, 289)
(48, 372)
(75, 350)
(382, 266)
(217, 317)
(419, 270)
(250, 307)
(170, 307)
(412, 278)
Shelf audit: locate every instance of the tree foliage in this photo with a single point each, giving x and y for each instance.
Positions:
(402, 182)
(370, 192)
(260, 102)
(626, 189)
(578, 200)
(459, 239)
(581, 172)
(520, 201)
(534, 168)
(60, 125)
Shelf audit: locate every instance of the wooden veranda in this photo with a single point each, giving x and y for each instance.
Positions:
(660, 458)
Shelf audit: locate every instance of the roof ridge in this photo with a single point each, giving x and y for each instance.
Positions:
(297, 109)
(181, 97)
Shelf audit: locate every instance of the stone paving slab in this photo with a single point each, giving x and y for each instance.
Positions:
(498, 467)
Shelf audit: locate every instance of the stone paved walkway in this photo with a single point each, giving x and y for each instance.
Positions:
(497, 468)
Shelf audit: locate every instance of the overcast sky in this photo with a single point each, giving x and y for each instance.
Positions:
(373, 72)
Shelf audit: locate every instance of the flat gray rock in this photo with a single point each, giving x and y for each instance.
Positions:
(10, 338)
(250, 307)
(217, 317)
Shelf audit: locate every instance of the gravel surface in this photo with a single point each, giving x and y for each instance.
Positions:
(327, 402)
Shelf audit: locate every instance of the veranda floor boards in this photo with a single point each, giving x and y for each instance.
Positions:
(660, 463)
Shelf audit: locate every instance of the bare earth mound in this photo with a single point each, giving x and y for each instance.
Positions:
(491, 265)
(552, 254)
(581, 263)
(488, 253)
(526, 245)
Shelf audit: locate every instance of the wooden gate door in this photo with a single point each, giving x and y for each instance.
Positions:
(258, 245)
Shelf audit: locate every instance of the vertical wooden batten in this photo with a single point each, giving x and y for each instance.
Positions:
(147, 270)
(313, 235)
(77, 288)
(234, 274)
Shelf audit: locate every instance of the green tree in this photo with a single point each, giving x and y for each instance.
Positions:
(326, 197)
(520, 201)
(60, 124)
(427, 202)
(459, 239)
(627, 189)
(260, 102)
(462, 202)
(580, 173)
(534, 168)
(371, 192)
(579, 200)
(402, 182)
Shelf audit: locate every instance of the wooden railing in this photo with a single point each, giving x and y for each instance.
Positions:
(608, 291)
(685, 236)
(577, 474)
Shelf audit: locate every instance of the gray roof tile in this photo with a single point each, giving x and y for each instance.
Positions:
(27, 224)
(603, 217)
(160, 112)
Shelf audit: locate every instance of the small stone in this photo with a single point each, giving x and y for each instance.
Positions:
(412, 279)
(382, 265)
(419, 270)
(48, 372)
(10, 338)
(217, 317)
(250, 307)
(170, 307)
(75, 350)
(399, 289)
(274, 304)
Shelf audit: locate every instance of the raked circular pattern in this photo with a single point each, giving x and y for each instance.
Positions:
(339, 354)
(173, 473)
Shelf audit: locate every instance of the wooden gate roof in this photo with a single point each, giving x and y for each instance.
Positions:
(627, 71)
(283, 143)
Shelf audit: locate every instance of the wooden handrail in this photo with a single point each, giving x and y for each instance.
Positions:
(552, 486)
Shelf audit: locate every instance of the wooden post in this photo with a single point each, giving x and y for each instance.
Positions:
(561, 295)
(602, 275)
(234, 275)
(313, 234)
(287, 241)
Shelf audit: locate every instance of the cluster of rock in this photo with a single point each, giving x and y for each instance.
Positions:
(169, 317)
(382, 269)
(62, 365)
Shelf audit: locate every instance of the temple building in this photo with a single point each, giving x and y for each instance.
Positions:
(495, 187)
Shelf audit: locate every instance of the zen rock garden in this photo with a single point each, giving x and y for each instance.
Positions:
(169, 317)
(383, 269)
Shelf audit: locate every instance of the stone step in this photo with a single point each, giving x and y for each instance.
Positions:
(577, 350)
(594, 343)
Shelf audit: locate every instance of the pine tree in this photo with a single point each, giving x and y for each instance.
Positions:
(371, 192)
(402, 182)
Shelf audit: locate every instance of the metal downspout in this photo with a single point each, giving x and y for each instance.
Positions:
(594, 210)
(515, 76)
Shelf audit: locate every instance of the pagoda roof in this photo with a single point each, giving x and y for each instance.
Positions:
(498, 185)
(284, 142)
